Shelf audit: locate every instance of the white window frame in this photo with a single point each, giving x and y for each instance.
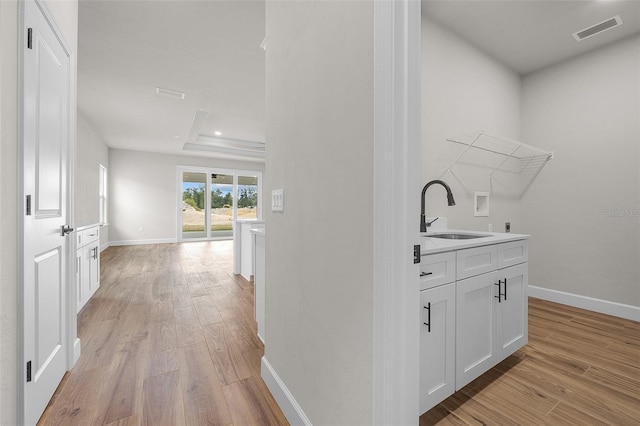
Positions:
(208, 171)
(103, 195)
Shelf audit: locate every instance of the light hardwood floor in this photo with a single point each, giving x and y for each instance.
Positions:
(579, 368)
(169, 339)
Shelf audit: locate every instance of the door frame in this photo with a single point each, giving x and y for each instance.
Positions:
(71, 341)
(207, 170)
(397, 170)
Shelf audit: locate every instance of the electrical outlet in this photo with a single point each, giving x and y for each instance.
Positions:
(491, 227)
(507, 227)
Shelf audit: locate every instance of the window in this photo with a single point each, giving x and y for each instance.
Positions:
(102, 191)
(210, 200)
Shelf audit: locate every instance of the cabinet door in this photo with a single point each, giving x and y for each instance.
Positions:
(94, 268)
(79, 274)
(512, 329)
(437, 345)
(475, 327)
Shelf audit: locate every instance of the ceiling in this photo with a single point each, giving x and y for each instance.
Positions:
(527, 35)
(209, 50)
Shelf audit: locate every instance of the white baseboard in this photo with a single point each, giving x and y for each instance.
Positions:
(76, 351)
(104, 246)
(142, 242)
(288, 404)
(597, 305)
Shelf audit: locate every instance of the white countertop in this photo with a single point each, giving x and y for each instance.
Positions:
(429, 245)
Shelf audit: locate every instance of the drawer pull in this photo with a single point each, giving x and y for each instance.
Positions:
(428, 323)
(424, 274)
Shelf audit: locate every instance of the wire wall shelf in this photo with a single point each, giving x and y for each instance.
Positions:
(513, 158)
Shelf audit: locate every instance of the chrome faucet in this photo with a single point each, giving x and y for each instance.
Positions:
(450, 201)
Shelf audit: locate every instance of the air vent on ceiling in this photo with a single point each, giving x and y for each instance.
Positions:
(170, 93)
(598, 28)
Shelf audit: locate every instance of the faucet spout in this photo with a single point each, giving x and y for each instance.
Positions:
(450, 201)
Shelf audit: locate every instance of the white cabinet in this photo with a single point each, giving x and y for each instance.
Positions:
(511, 315)
(477, 315)
(437, 344)
(259, 284)
(87, 263)
(475, 327)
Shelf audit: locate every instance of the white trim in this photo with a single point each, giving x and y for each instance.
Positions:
(584, 302)
(142, 242)
(396, 177)
(288, 404)
(77, 346)
(105, 246)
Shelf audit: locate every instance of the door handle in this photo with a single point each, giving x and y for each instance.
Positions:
(66, 229)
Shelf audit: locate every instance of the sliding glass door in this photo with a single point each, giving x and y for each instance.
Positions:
(222, 205)
(194, 205)
(211, 200)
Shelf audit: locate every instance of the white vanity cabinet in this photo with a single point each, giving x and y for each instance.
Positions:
(437, 344)
(477, 319)
(87, 263)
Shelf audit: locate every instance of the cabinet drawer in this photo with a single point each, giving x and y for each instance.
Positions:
(437, 269)
(476, 261)
(513, 253)
(87, 236)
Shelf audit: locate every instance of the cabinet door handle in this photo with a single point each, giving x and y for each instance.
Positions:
(424, 274)
(500, 294)
(505, 289)
(428, 323)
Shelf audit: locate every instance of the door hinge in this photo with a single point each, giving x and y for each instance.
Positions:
(28, 371)
(416, 253)
(29, 38)
(28, 205)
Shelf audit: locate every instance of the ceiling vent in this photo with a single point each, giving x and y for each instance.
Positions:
(170, 93)
(598, 28)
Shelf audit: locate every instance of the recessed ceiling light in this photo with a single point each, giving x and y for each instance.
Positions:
(170, 93)
(217, 133)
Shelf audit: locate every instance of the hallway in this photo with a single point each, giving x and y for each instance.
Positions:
(168, 339)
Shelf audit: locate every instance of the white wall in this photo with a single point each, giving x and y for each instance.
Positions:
(464, 91)
(91, 152)
(66, 14)
(582, 210)
(319, 103)
(143, 193)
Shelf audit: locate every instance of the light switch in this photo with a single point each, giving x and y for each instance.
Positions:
(277, 200)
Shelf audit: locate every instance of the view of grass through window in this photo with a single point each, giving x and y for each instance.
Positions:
(221, 199)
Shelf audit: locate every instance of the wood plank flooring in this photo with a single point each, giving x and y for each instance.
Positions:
(579, 368)
(168, 339)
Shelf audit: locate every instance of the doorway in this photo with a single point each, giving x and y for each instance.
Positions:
(211, 200)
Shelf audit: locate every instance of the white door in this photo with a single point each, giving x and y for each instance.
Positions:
(46, 132)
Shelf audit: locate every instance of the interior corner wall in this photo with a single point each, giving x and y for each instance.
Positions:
(464, 91)
(143, 193)
(319, 251)
(583, 209)
(91, 152)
